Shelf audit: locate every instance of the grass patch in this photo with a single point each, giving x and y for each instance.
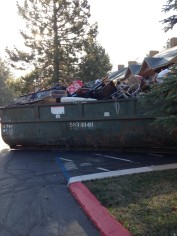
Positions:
(145, 204)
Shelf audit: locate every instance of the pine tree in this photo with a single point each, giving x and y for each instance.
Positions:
(171, 5)
(54, 35)
(25, 84)
(162, 100)
(6, 93)
(95, 63)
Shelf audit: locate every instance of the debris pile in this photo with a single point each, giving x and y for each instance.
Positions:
(100, 89)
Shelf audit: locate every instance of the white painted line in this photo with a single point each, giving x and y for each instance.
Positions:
(64, 159)
(85, 164)
(121, 172)
(117, 158)
(99, 168)
(156, 155)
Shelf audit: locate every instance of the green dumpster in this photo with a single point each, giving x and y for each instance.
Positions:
(105, 124)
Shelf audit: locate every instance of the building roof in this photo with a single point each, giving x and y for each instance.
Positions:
(153, 62)
(118, 75)
(168, 54)
(132, 70)
(159, 60)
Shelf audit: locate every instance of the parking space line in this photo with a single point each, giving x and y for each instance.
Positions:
(117, 158)
(64, 159)
(99, 168)
(85, 164)
(111, 157)
(154, 154)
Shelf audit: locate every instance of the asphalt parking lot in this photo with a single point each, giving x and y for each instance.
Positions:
(84, 163)
(34, 198)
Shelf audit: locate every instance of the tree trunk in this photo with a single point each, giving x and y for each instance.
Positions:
(56, 46)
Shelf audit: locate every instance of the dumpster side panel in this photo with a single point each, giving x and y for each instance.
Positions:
(108, 124)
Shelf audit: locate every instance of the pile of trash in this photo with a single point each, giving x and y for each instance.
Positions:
(100, 89)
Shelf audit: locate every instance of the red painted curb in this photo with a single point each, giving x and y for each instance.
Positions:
(99, 215)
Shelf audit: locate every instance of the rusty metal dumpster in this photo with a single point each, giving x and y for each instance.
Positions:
(105, 124)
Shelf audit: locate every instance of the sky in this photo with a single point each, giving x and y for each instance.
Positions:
(128, 29)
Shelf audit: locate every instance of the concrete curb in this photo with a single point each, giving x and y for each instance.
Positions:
(116, 173)
(99, 215)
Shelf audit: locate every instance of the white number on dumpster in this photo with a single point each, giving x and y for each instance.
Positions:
(81, 125)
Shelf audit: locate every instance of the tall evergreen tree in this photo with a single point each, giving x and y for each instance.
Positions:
(95, 63)
(164, 96)
(162, 99)
(6, 93)
(54, 35)
(25, 84)
(170, 22)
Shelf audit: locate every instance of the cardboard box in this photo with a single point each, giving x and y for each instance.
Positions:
(58, 93)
